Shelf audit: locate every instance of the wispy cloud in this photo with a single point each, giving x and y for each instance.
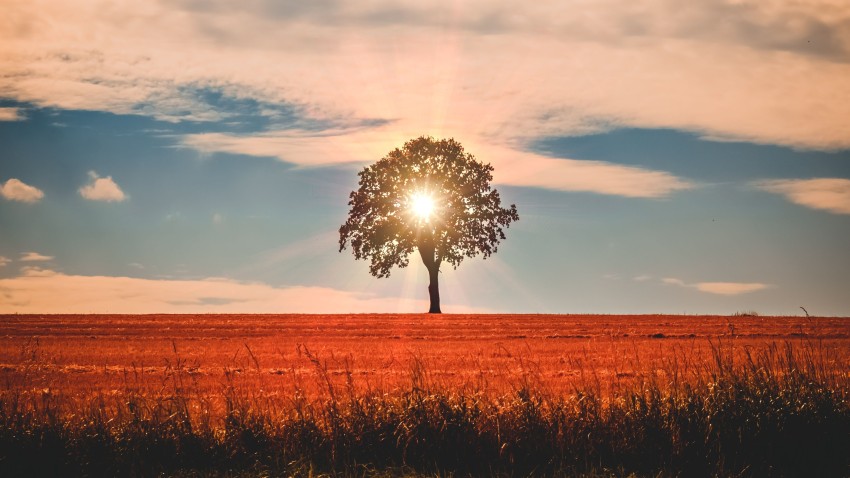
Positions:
(45, 291)
(719, 288)
(514, 166)
(102, 189)
(292, 146)
(11, 114)
(730, 288)
(35, 271)
(16, 190)
(34, 257)
(828, 194)
(770, 72)
(4, 261)
(564, 174)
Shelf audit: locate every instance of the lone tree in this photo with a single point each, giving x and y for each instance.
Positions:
(431, 196)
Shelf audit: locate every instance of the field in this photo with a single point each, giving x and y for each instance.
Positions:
(214, 372)
(84, 354)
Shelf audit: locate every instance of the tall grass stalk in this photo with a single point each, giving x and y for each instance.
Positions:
(779, 411)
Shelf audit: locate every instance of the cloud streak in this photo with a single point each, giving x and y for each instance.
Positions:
(513, 165)
(11, 114)
(44, 291)
(16, 190)
(826, 194)
(34, 257)
(719, 288)
(526, 169)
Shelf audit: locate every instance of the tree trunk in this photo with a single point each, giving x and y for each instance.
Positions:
(426, 250)
(434, 289)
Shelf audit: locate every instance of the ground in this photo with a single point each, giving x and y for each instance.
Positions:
(79, 355)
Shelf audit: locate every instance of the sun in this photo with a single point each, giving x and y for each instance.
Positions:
(422, 205)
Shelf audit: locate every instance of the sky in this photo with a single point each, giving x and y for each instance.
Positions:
(197, 156)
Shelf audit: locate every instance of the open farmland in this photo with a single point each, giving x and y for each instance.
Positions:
(83, 354)
(467, 394)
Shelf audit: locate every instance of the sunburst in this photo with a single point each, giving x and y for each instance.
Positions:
(422, 206)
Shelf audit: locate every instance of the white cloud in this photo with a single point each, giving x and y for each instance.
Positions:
(730, 288)
(719, 288)
(828, 194)
(11, 114)
(763, 71)
(35, 271)
(34, 257)
(45, 291)
(4, 261)
(527, 169)
(300, 147)
(17, 190)
(102, 189)
(513, 166)
(642, 278)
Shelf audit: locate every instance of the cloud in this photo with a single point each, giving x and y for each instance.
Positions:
(775, 26)
(299, 147)
(11, 114)
(730, 288)
(719, 288)
(102, 189)
(34, 257)
(762, 71)
(527, 169)
(17, 190)
(4, 261)
(217, 219)
(44, 291)
(513, 165)
(828, 194)
(34, 271)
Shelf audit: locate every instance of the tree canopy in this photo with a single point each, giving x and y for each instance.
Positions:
(428, 195)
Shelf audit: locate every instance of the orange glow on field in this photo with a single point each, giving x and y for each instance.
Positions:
(87, 355)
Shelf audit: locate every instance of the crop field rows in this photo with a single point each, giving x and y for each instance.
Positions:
(301, 395)
(85, 354)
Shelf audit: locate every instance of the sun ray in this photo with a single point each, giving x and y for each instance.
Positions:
(422, 206)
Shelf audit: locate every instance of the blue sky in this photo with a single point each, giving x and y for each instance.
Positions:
(197, 156)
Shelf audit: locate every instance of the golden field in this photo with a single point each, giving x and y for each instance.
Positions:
(77, 355)
(424, 395)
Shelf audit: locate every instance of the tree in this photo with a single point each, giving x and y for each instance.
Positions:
(431, 196)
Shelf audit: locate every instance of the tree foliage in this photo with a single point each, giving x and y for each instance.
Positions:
(468, 218)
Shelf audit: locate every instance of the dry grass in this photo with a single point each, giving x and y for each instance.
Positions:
(83, 355)
(747, 401)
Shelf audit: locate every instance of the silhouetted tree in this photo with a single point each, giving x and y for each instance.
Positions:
(429, 195)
